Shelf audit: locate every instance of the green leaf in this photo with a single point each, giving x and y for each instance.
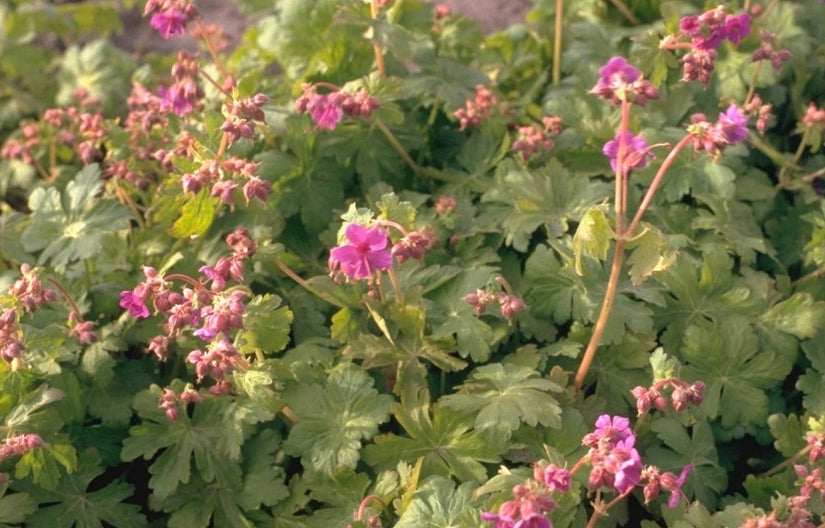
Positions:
(593, 236)
(334, 419)
(266, 326)
(734, 369)
(789, 433)
(42, 396)
(437, 503)
(649, 255)
(707, 479)
(502, 397)
(395, 210)
(442, 437)
(799, 315)
(71, 226)
(473, 336)
(664, 367)
(72, 504)
(201, 437)
(196, 215)
(549, 197)
(703, 291)
(15, 507)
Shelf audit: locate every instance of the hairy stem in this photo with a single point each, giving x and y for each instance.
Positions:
(601, 510)
(557, 34)
(604, 314)
(625, 11)
(398, 147)
(307, 286)
(752, 87)
(657, 180)
(379, 54)
(211, 48)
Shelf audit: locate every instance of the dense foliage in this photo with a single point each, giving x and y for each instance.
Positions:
(370, 267)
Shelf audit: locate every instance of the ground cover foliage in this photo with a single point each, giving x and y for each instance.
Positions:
(371, 267)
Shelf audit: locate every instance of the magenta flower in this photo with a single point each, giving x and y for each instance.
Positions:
(621, 81)
(133, 303)
(174, 99)
(733, 124)
(169, 23)
(674, 485)
(637, 152)
(325, 112)
(737, 27)
(366, 252)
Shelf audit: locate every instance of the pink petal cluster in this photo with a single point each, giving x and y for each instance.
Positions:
(620, 81)
(364, 253)
(636, 154)
(170, 17)
(729, 129)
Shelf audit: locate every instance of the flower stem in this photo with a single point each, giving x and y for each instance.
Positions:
(601, 510)
(184, 278)
(398, 147)
(307, 286)
(786, 463)
(752, 87)
(628, 14)
(783, 172)
(399, 294)
(379, 54)
(604, 314)
(817, 273)
(211, 48)
(657, 180)
(54, 282)
(557, 34)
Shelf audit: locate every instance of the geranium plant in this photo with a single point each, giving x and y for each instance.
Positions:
(369, 267)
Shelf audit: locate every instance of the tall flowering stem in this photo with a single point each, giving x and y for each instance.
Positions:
(379, 54)
(557, 42)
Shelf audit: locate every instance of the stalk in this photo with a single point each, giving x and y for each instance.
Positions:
(379, 54)
(557, 42)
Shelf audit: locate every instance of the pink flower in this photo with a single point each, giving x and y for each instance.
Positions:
(133, 303)
(169, 24)
(366, 252)
(636, 155)
(674, 485)
(325, 112)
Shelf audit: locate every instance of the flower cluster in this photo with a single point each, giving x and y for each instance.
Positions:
(184, 94)
(224, 176)
(814, 117)
(77, 127)
(19, 445)
(636, 152)
(477, 109)
(10, 333)
(620, 81)
(169, 401)
(655, 397)
(327, 110)
(241, 115)
(170, 17)
(532, 501)
(532, 138)
(729, 129)
(496, 292)
(614, 461)
(29, 289)
(761, 111)
(767, 51)
(702, 35)
(367, 250)
(215, 313)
